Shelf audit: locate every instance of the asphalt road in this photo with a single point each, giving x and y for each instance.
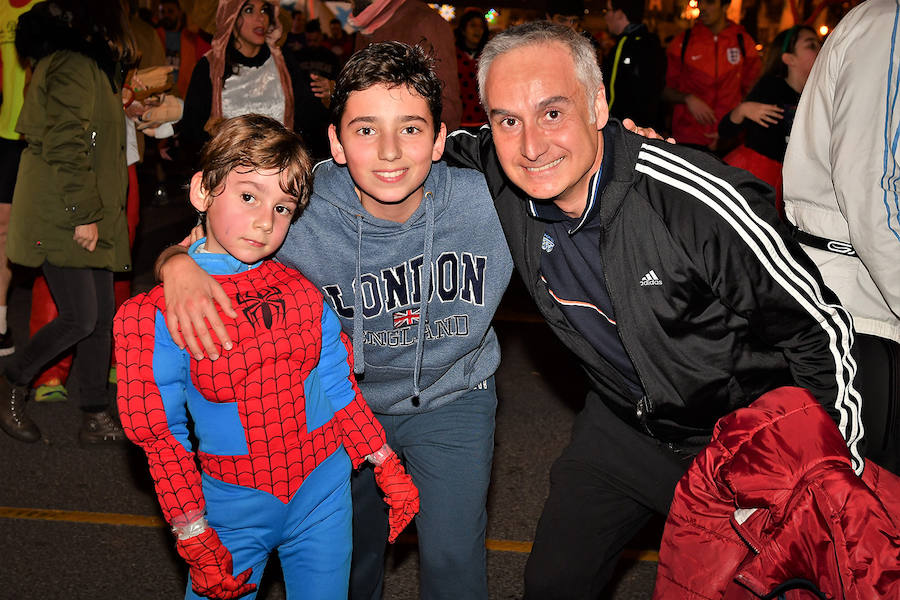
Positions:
(84, 523)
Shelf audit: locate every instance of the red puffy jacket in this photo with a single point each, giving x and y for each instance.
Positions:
(718, 69)
(814, 519)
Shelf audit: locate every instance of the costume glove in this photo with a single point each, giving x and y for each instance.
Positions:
(400, 492)
(211, 566)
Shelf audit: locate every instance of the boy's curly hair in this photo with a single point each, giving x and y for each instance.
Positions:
(257, 143)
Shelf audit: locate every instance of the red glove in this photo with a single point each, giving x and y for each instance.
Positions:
(211, 566)
(400, 493)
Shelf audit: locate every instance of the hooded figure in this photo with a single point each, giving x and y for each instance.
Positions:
(228, 36)
(246, 72)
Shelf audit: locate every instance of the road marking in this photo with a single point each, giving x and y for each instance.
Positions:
(97, 518)
(78, 516)
(508, 546)
(641, 555)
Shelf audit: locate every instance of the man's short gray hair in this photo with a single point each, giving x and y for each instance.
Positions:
(587, 71)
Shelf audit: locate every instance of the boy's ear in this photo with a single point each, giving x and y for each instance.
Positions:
(337, 150)
(198, 196)
(438, 150)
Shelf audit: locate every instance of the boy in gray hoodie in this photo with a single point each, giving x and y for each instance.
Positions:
(411, 255)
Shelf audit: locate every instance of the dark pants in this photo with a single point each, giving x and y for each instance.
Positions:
(84, 299)
(448, 453)
(604, 487)
(10, 152)
(878, 382)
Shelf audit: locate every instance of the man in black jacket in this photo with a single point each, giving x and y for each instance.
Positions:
(666, 273)
(635, 68)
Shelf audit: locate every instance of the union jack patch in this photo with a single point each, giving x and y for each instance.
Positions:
(405, 318)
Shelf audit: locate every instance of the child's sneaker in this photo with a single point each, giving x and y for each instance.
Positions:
(52, 391)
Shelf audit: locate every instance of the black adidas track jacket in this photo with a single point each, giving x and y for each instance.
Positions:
(741, 308)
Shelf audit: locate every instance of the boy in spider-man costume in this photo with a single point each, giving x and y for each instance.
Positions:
(279, 420)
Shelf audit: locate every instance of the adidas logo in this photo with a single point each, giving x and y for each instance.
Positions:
(650, 279)
(547, 243)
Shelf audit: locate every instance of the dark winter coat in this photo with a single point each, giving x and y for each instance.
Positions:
(73, 170)
(773, 501)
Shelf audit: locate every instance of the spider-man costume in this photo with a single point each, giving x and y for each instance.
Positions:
(272, 416)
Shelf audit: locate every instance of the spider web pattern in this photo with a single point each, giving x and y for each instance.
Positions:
(173, 468)
(263, 375)
(363, 434)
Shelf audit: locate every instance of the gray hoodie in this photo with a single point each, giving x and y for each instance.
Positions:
(412, 353)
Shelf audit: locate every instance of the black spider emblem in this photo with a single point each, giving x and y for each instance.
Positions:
(266, 303)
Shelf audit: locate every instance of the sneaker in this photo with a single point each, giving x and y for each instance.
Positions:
(6, 343)
(13, 419)
(101, 428)
(52, 391)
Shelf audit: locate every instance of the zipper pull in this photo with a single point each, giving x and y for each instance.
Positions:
(644, 408)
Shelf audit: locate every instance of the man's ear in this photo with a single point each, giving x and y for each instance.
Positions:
(601, 108)
(438, 150)
(199, 197)
(337, 150)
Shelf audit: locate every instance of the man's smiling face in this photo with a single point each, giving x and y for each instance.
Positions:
(540, 117)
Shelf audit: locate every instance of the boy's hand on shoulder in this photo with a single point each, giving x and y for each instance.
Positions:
(191, 298)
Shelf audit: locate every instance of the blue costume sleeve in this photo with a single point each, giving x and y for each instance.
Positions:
(362, 434)
(334, 368)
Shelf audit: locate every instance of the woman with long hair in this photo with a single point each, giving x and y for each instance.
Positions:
(246, 72)
(767, 113)
(471, 35)
(68, 211)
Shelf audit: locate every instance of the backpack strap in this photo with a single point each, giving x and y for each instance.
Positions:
(684, 43)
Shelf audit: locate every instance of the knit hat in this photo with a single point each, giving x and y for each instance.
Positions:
(226, 16)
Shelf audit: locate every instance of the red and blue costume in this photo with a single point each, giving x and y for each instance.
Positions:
(279, 423)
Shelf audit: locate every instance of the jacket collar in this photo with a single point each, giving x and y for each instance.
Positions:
(621, 148)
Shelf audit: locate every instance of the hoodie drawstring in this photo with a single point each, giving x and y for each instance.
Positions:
(359, 364)
(426, 289)
(359, 337)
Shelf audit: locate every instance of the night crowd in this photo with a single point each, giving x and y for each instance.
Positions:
(711, 226)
